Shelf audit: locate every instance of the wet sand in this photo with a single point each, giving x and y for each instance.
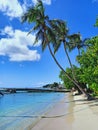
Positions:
(72, 114)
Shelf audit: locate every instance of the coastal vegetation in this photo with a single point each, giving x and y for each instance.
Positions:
(54, 85)
(87, 72)
(53, 33)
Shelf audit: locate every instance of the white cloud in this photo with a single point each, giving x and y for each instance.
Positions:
(11, 8)
(47, 2)
(7, 30)
(16, 46)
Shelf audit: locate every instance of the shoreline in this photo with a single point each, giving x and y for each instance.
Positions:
(73, 114)
(24, 109)
(56, 115)
(51, 113)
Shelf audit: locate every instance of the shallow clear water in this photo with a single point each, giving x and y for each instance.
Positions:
(19, 111)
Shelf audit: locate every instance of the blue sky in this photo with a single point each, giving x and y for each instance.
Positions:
(21, 63)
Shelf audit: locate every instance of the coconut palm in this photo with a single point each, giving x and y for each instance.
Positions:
(43, 31)
(75, 41)
(62, 36)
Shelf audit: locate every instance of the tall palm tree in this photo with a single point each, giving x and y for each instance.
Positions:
(44, 32)
(62, 36)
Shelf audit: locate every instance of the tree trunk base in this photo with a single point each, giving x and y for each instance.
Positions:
(89, 97)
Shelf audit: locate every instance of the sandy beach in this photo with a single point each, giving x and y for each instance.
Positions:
(75, 114)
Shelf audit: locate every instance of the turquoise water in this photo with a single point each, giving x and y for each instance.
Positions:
(19, 111)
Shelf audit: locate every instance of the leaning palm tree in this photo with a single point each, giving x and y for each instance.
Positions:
(62, 34)
(44, 32)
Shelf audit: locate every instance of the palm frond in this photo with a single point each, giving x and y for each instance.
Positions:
(51, 35)
(30, 31)
(39, 36)
(30, 16)
(44, 43)
(56, 46)
(75, 37)
(24, 18)
(37, 26)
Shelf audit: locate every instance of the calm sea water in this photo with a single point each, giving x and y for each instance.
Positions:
(19, 111)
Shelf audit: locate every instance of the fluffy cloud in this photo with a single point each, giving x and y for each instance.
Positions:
(13, 8)
(47, 2)
(16, 45)
(7, 30)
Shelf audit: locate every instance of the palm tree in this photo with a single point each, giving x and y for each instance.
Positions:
(44, 32)
(62, 34)
(75, 41)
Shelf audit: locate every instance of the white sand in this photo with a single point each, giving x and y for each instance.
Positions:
(78, 115)
(85, 115)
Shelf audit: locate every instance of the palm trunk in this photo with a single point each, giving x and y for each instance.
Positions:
(68, 76)
(69, 61)
(72, 70)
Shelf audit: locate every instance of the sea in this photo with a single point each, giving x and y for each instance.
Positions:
(20, 111)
